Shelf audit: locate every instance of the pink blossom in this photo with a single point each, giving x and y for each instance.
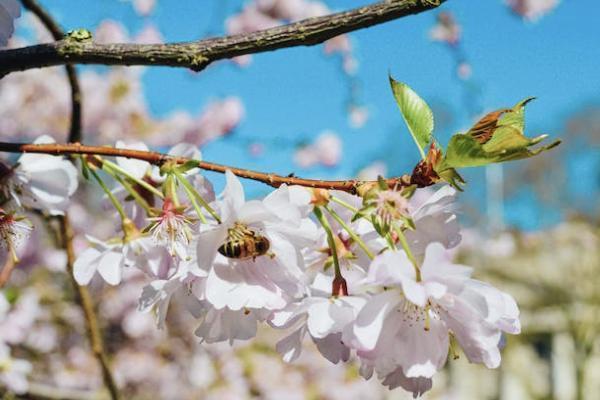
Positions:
(109, 31)
(148, 35)
(532, 9)
(358, 116)
(326, 150)
(249, 20)
(406, 327)
(289, 10)
(446, 29)
(464, 70)
(218, 119)
(144, 7)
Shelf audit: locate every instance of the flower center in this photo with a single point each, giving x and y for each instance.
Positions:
(390, 205)
(416, 315)
(171, 227)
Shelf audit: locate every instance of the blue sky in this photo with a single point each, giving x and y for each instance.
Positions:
(297, 93)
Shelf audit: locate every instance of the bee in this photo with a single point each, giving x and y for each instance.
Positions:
(242, 244)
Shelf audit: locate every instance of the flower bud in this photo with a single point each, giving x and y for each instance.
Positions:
(320, 197)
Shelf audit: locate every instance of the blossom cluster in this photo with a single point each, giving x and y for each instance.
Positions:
(115, 106)
(264, 14)
(532, 10)
(367, 277)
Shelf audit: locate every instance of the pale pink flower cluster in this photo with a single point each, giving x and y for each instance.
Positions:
(264, 14)
(237, 264)
(326, 151)
(144, 7)
(15, 325)
(38, 102)
(532, 9)
(109, 31)
(446, 29)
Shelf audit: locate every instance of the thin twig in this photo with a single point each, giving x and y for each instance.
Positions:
(83, 295)
(7, 270)
(156, 158)
(85, 301)
(199, 54)
(58, 34)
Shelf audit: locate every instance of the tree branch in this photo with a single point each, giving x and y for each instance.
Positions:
(274, 180)
(58, 34)
(85, 301)
(199, 54)
(82, 294)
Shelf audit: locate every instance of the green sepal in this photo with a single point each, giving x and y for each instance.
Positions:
(188, 165)
(84, 168)
(408, 191)
(416, 114)
(382, 183)
(409, 223)
(363, 213)
(328, 263)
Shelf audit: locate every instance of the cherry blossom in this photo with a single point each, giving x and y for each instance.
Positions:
(144, 7)
(13, 371)
(13, 229)
(109, 258)
(9, 10)
(322, 316)
(267, 279)
(446, 30)
(326, 150)
(41, 181)
(532, 9)
(420, 311)
(435, 221)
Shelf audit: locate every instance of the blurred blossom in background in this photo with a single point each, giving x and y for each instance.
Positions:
(323, 112)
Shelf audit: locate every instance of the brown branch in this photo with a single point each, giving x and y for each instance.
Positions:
(82, 294)
(58, 34)
(199, 54)
(85, 301)
(159, 159)
(7, 270)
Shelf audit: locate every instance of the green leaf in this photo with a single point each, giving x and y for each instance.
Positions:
(497, 137)
(416, 114)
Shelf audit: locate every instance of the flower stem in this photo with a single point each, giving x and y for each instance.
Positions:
(190, 194)
(344, 204)
(330, 240)
(126, 174)
(351, 232)
(84, 301)
(191, 191)
(409, 253)
(110, 195)
(134, 193)
(171, 189)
